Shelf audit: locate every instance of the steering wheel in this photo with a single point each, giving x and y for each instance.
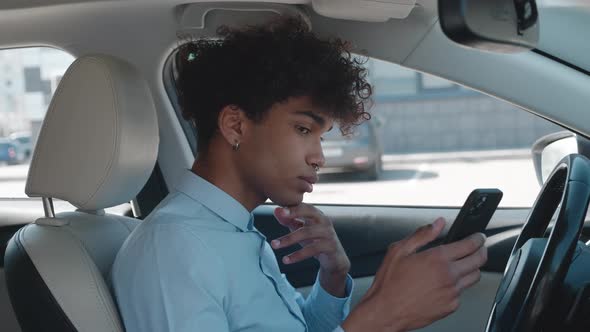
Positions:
(537, 265)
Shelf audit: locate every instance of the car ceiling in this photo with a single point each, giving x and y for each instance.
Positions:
(145, 32)
(57, 15)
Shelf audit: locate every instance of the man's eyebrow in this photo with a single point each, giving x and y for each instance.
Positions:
(315, 117)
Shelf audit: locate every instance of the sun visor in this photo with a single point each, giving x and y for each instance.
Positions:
(364, 10)
(205, 18)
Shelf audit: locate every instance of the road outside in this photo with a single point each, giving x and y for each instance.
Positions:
(442, 179)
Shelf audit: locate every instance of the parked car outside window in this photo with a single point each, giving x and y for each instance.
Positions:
(25, 141)
(360, 152)
(11, 152)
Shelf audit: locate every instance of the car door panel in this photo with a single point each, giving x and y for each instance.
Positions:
(475, 304)
(366, 233)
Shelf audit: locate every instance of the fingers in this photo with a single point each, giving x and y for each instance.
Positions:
(469, 280)
(423, 236)
(473, 262)
(286, 220)
(307, 212)
(308, 251)
(465, 247)
(303, 234)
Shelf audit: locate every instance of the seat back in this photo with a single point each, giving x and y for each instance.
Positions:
(96, 149)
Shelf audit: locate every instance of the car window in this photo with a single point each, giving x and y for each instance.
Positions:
(28, 79)
(431, 143)
(363, 130)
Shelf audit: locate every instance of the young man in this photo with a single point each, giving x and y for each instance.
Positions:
(261, 98)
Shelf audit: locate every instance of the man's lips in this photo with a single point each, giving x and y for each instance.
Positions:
(310, 180)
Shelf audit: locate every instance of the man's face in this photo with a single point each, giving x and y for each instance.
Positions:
(278, 154)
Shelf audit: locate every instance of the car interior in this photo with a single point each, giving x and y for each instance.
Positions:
(112, 135)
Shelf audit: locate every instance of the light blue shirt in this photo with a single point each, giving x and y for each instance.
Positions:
(197, 263)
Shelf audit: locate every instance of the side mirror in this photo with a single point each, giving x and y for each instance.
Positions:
(550, 149)
(506, 26)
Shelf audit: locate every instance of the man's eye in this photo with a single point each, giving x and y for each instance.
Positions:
(303, 130)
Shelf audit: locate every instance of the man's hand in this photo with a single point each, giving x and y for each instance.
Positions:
(310, 228)
(412, 290)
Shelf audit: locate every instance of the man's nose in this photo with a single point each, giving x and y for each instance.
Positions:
(317, 158)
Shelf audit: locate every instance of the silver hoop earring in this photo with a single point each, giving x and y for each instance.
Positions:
(236, 146)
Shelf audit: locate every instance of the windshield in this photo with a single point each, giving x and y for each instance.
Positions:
(567, 42)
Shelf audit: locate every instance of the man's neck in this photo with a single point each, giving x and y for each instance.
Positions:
(227, 179)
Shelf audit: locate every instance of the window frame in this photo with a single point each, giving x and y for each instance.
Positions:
(169, 71)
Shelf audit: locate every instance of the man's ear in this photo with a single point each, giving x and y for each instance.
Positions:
(232, 123)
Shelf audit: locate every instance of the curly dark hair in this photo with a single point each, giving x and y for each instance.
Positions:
(257, 66)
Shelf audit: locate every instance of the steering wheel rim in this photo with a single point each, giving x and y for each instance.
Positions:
(521, 302)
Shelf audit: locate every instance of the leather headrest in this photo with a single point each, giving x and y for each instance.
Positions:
(99, 140)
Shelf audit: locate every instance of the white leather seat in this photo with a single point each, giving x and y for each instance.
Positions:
(96, 149)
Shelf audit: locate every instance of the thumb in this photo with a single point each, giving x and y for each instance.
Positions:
(424, 235)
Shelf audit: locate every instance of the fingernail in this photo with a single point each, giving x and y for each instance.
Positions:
(276, 243)
(302, 221)
(438, 222)
(479, 238)
(286, 211)
(286, 259)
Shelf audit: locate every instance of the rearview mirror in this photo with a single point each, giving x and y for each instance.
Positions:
(505, 26)
(550, 149)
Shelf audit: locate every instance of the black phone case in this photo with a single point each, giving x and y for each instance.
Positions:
(475, 214)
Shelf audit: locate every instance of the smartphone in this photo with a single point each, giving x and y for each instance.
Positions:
(475, 214)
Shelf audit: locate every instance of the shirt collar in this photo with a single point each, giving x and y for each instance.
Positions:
(216, 200)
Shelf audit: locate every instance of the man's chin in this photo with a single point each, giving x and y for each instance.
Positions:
(287, 200)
